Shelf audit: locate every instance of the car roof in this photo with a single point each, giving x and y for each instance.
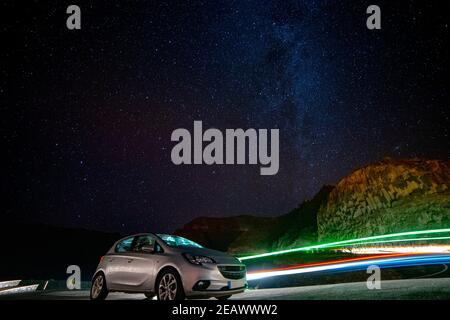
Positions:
(137, 235)
(143, 234)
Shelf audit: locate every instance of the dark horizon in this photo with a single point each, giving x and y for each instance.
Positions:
(89, 113)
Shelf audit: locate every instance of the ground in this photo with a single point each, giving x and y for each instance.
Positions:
(433, 288)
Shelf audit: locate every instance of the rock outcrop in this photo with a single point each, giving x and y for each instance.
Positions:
(389, 196)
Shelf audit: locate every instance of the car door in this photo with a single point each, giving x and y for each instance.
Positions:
(141, 270)
(117, 271)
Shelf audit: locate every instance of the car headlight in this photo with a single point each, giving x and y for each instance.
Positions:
(198, 260)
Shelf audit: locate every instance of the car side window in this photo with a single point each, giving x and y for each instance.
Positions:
(124, 245)
(143, 241)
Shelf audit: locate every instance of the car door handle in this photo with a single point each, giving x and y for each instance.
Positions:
(130, 260)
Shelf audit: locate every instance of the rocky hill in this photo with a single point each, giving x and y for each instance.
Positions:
(385, 197)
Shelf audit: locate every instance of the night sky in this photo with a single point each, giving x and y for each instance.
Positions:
(87, 115)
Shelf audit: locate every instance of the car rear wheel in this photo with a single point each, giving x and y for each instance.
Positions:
(169, 286)
(99, 291)
(224, 297)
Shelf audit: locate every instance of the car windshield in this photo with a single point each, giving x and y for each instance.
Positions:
(176, 241)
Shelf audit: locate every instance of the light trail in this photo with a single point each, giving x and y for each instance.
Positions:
(398, 249)
(339, 243)
(396, 260)
(429, 248)
(401, 240)
(377, 256)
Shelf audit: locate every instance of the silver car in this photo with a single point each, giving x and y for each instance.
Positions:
(168, 267)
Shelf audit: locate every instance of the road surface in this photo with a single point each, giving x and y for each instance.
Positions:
(433, 288)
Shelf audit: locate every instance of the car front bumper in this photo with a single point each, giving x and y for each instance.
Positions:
(194, 279)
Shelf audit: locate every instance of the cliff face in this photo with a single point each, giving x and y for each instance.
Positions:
(389, 196)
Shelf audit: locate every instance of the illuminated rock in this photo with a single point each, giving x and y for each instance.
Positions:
(386, 197)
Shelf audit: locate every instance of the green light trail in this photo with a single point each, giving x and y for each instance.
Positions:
(338, 243)
(401, 240)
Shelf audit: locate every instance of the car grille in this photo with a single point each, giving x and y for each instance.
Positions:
(232, 272)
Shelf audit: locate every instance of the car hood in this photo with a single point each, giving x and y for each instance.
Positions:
(218, 256)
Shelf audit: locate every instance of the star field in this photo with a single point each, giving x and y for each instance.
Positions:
(89, 113)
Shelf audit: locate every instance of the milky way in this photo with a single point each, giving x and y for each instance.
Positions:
(86, 132)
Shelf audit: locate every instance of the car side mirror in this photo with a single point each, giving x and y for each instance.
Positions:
(148, 249)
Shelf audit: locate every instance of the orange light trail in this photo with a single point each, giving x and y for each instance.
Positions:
(377, 256)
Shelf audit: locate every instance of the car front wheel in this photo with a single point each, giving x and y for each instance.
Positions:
(99, 291)
(169, 286)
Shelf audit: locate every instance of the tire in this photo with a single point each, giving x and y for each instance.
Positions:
(99, 290)
(169, 286)
(149, 296)
(224, 297)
